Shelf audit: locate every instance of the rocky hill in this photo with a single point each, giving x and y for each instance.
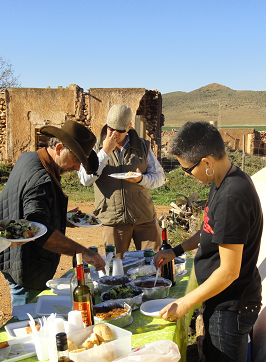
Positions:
(215, 102)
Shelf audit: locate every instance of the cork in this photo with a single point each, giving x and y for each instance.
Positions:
(79, 259)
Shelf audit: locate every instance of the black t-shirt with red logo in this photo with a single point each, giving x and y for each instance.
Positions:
(233, 216)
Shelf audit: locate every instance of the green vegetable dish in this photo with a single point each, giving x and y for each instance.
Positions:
(18, 229)
(122, 292)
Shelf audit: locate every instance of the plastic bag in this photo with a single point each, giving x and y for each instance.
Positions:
(159, 351)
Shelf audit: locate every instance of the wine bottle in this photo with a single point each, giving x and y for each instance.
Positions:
(73, 280)
(62, 348)
(89, 282)
(168, 270)
(82, 295)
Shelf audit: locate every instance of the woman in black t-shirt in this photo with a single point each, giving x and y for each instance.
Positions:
(228, 246)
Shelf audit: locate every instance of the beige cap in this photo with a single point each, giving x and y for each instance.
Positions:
(119, 117)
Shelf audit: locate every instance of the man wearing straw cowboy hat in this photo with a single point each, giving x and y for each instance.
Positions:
(125, 206)
(33, 192)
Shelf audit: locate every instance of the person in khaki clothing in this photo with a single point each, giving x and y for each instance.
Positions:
(125, 206)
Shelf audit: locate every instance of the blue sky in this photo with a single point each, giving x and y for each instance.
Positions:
(169, 45)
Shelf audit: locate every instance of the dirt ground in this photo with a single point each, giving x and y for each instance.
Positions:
(85, 236)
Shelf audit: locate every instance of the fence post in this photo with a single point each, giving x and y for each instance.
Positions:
(243, 154)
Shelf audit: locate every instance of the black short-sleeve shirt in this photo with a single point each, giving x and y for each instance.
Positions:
(233, 216)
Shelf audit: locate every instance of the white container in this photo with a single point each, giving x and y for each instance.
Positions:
(120, 347)
(118, 267)
(142, 270)
(41, 344)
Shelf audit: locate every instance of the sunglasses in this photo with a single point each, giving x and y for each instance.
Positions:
(191, 168)
(116, 130)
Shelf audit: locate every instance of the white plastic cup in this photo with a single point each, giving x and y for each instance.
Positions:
(75, 321)
(41, 347)
(118, 267)
(56, 327)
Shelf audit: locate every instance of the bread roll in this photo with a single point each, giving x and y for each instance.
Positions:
(3, 344)
(87, 344)
(103, 332)
(71, 345)
(78, 350)
(94, 339)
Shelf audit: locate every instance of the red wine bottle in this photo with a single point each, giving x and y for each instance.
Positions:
(168, 270)
(82, 295)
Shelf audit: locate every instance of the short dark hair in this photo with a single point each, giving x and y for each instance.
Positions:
(196, 140)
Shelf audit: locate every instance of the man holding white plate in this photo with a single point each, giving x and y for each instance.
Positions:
(33, 192)
(122, 201)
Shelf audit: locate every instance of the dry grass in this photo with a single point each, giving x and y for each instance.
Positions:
(215, 102)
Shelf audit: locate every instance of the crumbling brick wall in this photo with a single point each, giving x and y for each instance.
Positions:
(150, 108)
(25, 110)
(2, 124)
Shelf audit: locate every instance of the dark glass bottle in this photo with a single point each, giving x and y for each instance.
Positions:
(168, 270)
(73, 280)
(82, 295)
(94, 248)
(62, 348)
(88, 280)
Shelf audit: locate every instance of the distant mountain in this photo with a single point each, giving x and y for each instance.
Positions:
(215, 102)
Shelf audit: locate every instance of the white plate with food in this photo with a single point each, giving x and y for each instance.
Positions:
(22, 328)
(21, 230)
(81, 219)
(152, 308)
(18, 349)
(59, 304)
(125, 175)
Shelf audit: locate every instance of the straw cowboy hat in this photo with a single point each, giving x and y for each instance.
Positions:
(79, 140)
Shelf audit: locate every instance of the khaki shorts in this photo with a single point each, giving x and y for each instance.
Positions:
(145, 236)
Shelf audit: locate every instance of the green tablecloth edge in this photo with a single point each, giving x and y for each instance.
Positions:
(175, 331)
(146, 329)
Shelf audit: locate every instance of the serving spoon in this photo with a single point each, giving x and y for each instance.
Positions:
(157, 273)
(156, 277)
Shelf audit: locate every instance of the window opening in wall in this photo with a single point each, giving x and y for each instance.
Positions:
(40, 139)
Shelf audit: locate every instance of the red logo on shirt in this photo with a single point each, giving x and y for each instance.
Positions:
(206, 226)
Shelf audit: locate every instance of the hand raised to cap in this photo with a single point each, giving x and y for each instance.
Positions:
(110, 142)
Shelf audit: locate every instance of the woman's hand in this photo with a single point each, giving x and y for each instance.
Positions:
(163, 257)
(175, 310)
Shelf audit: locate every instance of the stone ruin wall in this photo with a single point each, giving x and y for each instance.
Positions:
(255, 141)
(2, 125)
(24, 110)
(91, 109)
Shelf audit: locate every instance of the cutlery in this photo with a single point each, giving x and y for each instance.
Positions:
(32, 325)
(156, 277)
(157, 273)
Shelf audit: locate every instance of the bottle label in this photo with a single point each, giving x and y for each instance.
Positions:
(85, 309)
